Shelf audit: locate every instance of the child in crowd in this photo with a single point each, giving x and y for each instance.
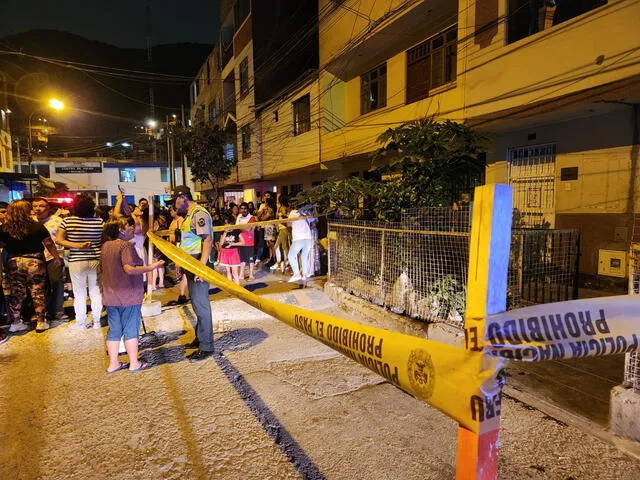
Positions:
(123, 291)
(229, 256)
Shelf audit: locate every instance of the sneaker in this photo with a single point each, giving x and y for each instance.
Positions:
(62, 317)
(295, 278)
(199, 356)
(194, 344)
(78, 326)
(275, 266)
(182, 300)
(96, 325)
(42, 326)
(18, 327)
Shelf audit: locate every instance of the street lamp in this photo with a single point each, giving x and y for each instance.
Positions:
(55, 104)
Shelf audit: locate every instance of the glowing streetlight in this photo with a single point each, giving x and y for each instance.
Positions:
(152, 123)
(56, 104)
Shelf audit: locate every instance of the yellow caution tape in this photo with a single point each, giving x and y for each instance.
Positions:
(240, 226)
(462, 384)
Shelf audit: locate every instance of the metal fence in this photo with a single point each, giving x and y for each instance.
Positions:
(543, 266)
(419, 266)
(632, 360)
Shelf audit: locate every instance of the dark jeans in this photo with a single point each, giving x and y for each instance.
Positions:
(55, 287)
(199, 292)
(259, 244)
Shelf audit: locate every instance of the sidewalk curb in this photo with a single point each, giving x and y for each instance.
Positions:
(451, 335)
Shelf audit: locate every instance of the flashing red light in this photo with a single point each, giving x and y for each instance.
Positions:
(64, 201)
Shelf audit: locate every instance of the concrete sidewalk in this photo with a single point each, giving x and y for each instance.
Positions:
(273, 404)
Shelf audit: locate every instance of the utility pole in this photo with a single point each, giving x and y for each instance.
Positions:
(19, 157)
(172, 181)
(150, 64)
(184, 155)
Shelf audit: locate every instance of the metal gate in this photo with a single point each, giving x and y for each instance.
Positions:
(543, 266)
(532, 175)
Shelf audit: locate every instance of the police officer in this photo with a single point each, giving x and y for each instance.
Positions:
(196, 239)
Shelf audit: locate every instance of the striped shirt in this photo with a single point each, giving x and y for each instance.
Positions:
(80, 230)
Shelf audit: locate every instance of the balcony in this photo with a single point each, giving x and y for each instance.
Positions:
(386, 35)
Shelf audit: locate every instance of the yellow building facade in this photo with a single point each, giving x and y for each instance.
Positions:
(556, 88)
(6, 151)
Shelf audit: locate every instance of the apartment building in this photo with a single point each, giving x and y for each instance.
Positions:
(561, 97)
(265, 48)
(206, 91)
(6, 151)
(557, 95)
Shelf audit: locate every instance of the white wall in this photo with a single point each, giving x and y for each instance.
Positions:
(147, 181)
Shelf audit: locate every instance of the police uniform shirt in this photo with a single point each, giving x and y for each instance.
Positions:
(201, 223)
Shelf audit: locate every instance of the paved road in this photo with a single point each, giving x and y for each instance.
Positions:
(274, 404)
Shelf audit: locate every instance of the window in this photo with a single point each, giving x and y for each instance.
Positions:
(245, 133)
(527, 17)
(127, 175)
(302, 115)
(164, 174)
(431, 64)
(372, 175)
(244, 75)
(194, 92)
(230, 151)
(284, 190)
(44, 170)
(208, 72)
(373, 89)
(131, 200)
(241, 11)
(212, 113)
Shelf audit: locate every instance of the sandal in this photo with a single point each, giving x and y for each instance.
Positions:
(143, 366)
(122, 366)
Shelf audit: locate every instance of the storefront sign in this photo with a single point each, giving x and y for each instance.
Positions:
(73, 167)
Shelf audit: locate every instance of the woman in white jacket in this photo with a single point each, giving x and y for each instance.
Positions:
(302, 242)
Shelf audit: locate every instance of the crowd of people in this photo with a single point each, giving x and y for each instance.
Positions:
(106, 255)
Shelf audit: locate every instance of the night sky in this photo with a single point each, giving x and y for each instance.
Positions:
(118, 22)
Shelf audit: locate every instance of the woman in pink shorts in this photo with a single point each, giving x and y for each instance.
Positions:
(229, 256)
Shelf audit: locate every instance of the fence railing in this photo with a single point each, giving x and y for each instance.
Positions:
(632, 360)
(418, 266)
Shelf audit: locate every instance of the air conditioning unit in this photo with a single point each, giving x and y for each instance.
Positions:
(612, 263)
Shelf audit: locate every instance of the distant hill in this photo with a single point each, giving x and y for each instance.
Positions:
(116, 103)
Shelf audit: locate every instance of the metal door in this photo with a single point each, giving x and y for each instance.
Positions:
(532, 174)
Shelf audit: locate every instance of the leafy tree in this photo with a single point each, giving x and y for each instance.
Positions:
(42, 190)
(427, 163)
(435, 160)
(339, 197)
(204, 146)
